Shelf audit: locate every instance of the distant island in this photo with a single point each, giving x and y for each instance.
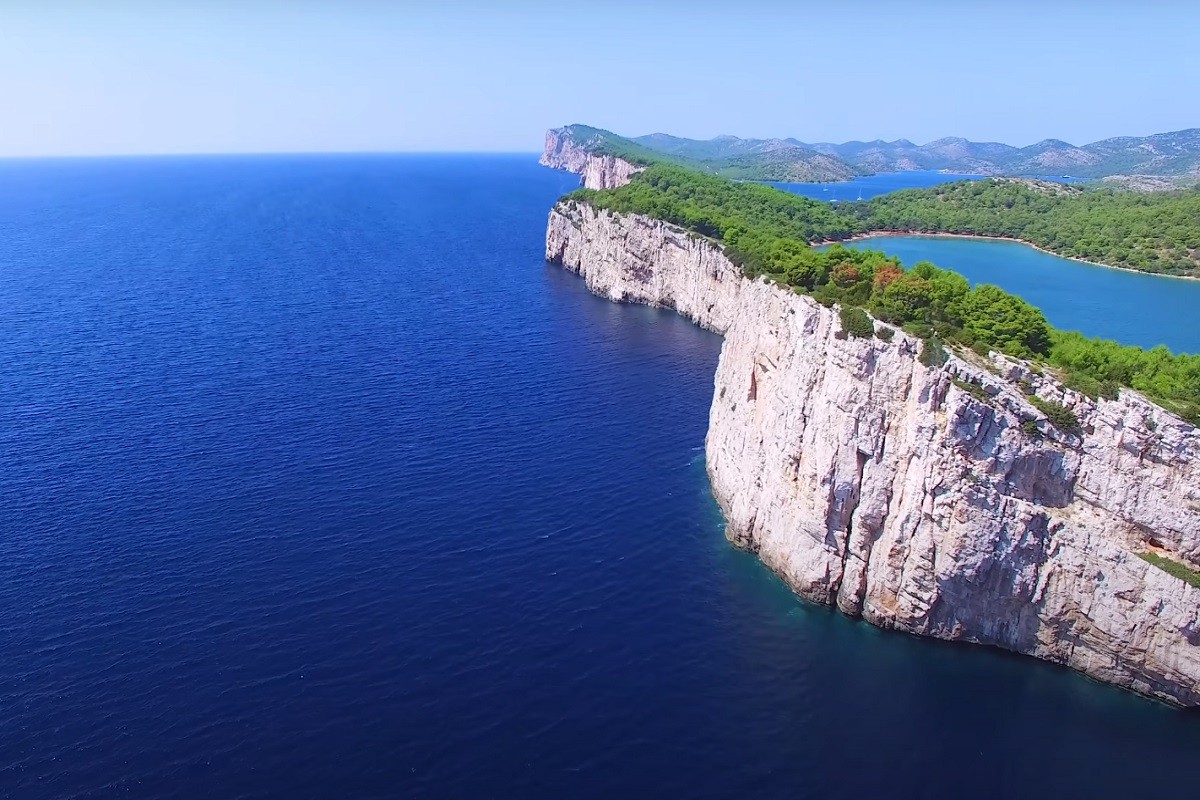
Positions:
(1158, 161)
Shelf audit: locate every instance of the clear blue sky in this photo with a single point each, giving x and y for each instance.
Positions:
(310, 75)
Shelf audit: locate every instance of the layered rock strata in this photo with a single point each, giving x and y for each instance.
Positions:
(937, 501)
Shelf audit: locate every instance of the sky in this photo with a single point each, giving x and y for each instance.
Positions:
(138, 77)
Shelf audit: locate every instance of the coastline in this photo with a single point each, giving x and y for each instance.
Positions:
(796, 407)
(940, 235)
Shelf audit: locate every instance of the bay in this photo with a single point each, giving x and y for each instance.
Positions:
(1129, 307)
(865, 187)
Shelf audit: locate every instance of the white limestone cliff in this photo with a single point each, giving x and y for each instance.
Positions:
(887, 488)
(564, 152)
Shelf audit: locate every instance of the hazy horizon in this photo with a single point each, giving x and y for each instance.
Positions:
(265, 77)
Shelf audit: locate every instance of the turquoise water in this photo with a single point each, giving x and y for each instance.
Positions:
(1130, 307)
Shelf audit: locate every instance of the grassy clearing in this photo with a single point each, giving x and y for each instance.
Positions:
(1172, 567)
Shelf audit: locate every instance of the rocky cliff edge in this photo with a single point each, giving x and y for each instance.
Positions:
(564, 151)
(937, 501)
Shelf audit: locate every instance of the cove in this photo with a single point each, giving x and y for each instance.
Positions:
(1128, 307)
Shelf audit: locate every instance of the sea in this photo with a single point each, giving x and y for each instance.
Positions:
(864, 187)
(319, 482)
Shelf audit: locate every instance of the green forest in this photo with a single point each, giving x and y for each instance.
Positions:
(1153, 232)
(767, 232)
(748, 216)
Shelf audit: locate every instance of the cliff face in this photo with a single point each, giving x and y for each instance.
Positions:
(872, 482)
(563, 151)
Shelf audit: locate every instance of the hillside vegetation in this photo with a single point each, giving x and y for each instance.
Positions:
(1174, 156)
(1164, 154)
(1157, 232)
(728, 157)
(748, 216)
(607, 143)
(767, 232)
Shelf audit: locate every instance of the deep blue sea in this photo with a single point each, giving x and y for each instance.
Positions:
(318, 482)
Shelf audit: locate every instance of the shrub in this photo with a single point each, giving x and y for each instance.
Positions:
(973, 389)
(884, 333)
(933, 354)
(1030, 428)
(1059, 415)
(855, 322)
(921, 330)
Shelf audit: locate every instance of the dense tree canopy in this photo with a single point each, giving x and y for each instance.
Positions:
(1099, 366)
(767, 231)
(1153, 232)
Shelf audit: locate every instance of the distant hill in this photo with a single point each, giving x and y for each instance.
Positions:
(1163, 154)
(1173, 155)
(727, 156)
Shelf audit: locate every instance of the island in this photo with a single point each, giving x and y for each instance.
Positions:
(1160, 161)
(932, 457)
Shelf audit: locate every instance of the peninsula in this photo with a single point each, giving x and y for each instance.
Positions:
(934, 458)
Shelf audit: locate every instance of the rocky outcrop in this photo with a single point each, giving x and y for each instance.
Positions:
(564, 152)
(1152, 183)
(937, 501)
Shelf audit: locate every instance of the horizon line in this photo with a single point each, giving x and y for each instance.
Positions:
(247, 153)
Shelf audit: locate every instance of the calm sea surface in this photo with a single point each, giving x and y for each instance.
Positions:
(318, 482)
(868, 186)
